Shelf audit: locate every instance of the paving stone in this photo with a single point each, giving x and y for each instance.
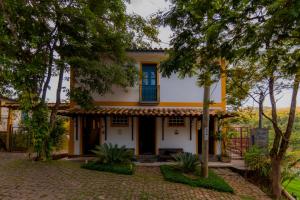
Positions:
(24, 179)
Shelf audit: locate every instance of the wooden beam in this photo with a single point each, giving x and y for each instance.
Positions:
(132, 137)
(8, 146)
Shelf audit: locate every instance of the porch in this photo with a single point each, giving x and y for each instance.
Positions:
(146, 130)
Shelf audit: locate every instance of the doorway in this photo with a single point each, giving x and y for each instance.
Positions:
(91, 134)
(147, 135)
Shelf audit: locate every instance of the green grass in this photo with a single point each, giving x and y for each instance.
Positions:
(118, 169)
(294, 187)
(215, 182)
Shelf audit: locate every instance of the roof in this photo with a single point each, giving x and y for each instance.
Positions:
(3, 98)
(141, 111)
(16, 106)
(150, 50)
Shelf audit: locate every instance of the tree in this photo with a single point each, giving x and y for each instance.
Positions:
(43, 39)
(239, 30)
(193, 54)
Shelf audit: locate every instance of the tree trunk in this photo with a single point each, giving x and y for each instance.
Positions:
(58, 94)
(49, 73)
(276, 178)
(205, 131)
(260, 108)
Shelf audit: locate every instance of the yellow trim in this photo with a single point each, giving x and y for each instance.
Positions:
(140, 56)
(197, 135)
(71, 137)
(160, 104)
(223, 82)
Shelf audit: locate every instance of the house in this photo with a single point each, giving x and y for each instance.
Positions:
(158, 114)
(8, 121)
(13, 136)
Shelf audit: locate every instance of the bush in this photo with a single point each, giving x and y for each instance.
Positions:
(257, 159)
(187, 162)
(112, 154)
(126, 169)
(213, 181)
(58, 134)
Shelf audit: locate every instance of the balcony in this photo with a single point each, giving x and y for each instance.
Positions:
(149, 94)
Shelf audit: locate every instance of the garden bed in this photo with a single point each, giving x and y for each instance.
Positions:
(126, 169)
(215, 182)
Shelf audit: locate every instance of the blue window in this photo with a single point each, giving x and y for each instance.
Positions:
(149, 82)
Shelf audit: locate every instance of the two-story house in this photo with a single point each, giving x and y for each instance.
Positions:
(158, 113)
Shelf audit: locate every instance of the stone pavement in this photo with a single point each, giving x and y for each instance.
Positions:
(22, 179)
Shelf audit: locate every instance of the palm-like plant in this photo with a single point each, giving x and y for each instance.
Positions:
(112, 154)
(187, 162)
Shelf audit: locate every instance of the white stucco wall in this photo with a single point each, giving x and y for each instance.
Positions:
(181, 140)
(120, 135)
(172, 89)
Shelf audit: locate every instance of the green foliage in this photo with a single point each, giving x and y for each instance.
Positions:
(249, 117)
(187, 162)
(293, 187)
(126, 169)
(43, 39)
(37, 124)
(213, 181)
(112, 154)
(58, 133)
(258, 160)
(289, 171)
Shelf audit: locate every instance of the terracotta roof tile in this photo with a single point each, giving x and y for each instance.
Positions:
(139, 111)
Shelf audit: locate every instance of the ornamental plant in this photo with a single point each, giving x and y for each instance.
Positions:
(187, 162)
(112, 154)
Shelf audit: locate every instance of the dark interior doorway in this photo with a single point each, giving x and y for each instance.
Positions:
(91, 134)
(211, 144)
(147, 135)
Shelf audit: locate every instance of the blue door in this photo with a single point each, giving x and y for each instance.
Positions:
(149, 82)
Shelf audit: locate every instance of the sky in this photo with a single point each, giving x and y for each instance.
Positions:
(146, 8)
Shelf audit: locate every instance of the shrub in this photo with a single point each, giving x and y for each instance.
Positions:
(58, 134)
(213, 181)
(257, 159)
(112, 154)
(187, 162)
(126, 169)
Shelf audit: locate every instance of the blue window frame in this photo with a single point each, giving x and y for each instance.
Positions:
(149, 82)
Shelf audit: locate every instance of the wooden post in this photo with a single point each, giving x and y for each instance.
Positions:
(205, 131)
(8, 130)
(132, 128)
(241, 135)
(216, 135)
